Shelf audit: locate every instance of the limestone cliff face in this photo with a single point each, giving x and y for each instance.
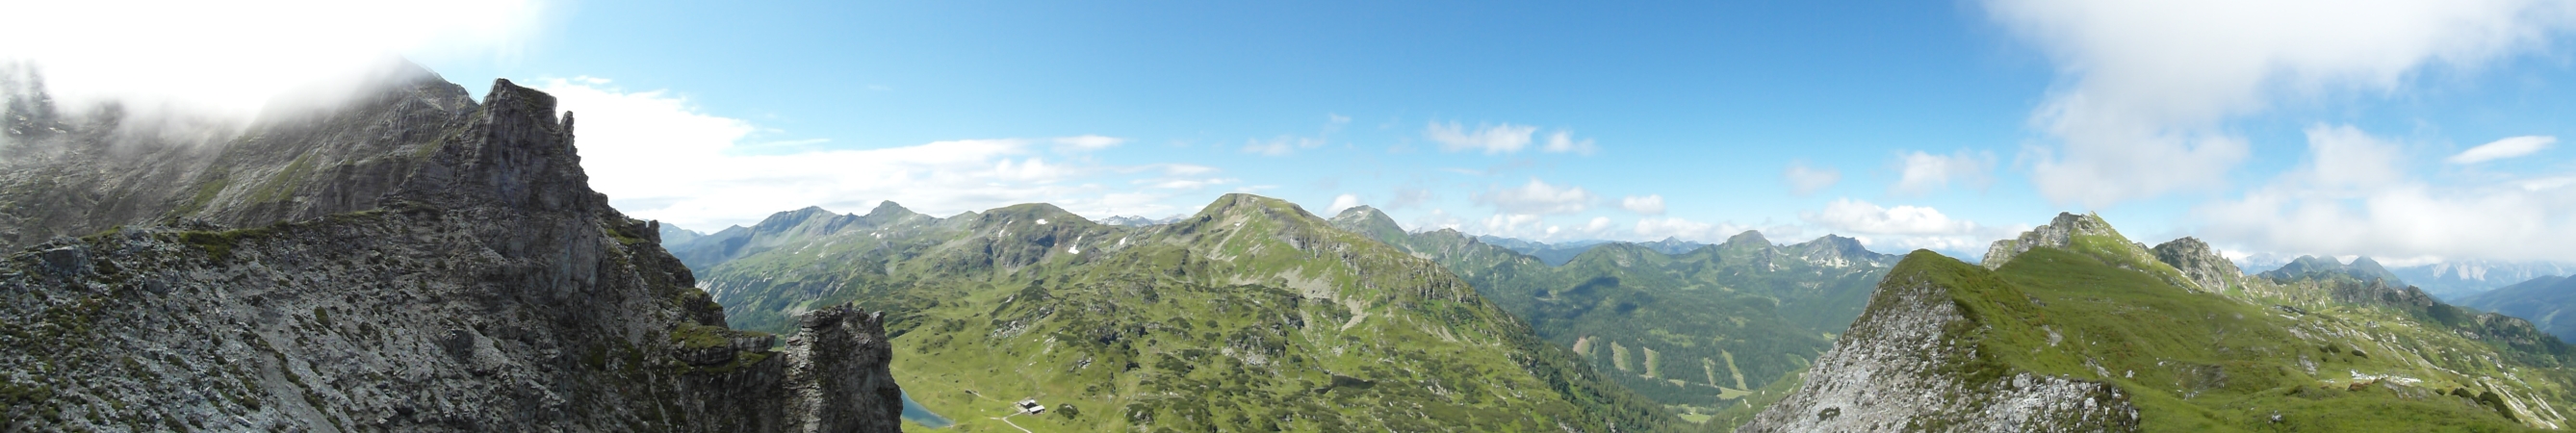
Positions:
(413, 261)
(1909, 365)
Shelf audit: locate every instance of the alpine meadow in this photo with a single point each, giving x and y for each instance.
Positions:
(1516, 216)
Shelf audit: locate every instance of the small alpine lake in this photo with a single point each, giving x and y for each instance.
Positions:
(912, 411)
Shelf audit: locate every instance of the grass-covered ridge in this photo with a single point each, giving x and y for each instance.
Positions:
(2309, 355)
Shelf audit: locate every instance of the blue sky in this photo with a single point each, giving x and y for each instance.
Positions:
(2288, 127)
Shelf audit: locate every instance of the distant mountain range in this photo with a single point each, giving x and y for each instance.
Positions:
(2311, 267)
(1250, 315)
(2452, 279)
(1557, 254)
(1138, 221)
(2070, 326)
(1717, 331)
(2544, 300)
(2458, 279)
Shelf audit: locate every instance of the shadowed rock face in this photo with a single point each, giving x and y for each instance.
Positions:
(411, 261)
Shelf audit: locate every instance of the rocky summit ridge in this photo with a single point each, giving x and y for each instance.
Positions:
(2071, 327)
(410, 261)
(2060, 232)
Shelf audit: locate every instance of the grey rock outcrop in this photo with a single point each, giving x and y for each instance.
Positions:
(2060, 233)
(1899, 370)
(2200, 263)
(830, 345)
(410, 262)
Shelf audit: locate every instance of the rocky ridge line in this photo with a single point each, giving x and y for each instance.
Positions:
(463, 280)
(1898, 370)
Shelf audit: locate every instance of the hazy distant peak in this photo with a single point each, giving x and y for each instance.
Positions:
(888, 208)
(1031, 213)
(1138, 221)
(1245, 204)
(1362, 211)
(1748, 237)
(1838, 243)
(1368, 221)
(2363, 269)
(794, 217)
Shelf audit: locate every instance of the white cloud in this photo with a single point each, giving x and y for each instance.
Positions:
(1344, 201)
(1855, 216)
(2507, 148)
(1655, 229)
(1650, 204)
(1187, 169)
(1407, 197)
(2345, 158)
(1538, 198)
(1922, 173)
(658, 157)
(1437, 219)
(1089, 142)
(1493, 140)
(1281, 146)
(1515, 225)
(1804, 180)
(1285, 145)
(1904, 227)
(2353, 198)
(1503, 139)
(1186, 184)
(2148, 84)
(1564, 142)
(1597, 225)
(1659, 228)
(234, 57)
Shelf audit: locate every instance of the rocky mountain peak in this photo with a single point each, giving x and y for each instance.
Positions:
(1747, 239)
(1368, 221)
(1241, 204)
(2060, 232)
(2202, 264)
(888, 209)
(1831, 249)
(1031, 214)
(461, 248)
(795, 217)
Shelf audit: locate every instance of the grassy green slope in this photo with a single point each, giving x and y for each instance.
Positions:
(1701, 331)
(1249, 316)
(2202, 361)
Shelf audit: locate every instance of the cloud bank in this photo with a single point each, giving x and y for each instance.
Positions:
(1904, 227)
(232, 58)
(658, 157)
(2354, 196)
(1503, 139)
(2147, 85)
